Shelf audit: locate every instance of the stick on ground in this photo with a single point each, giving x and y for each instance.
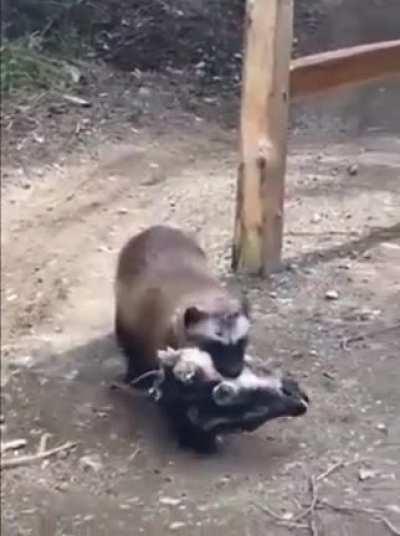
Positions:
(14, 444)
(17, 461)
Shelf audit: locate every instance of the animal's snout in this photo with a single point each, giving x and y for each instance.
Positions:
(230, 368)
(298, 398)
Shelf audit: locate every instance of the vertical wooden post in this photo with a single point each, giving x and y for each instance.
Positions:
(263, 136)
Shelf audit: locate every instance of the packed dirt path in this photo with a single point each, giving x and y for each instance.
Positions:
(61, 235)
(161, 149)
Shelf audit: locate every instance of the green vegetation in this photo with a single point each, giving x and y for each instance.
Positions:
(37, 36)
(24, 67)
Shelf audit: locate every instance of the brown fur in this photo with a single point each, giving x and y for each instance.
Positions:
(161, 273)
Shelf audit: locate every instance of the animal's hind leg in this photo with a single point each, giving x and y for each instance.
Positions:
(193, 438)
(189, 436)
(131, 347)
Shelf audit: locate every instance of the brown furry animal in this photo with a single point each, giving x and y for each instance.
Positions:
(166, 296)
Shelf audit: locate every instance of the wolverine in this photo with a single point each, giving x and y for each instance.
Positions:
(166, 296)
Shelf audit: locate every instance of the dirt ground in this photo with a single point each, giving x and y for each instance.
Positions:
(76, 183)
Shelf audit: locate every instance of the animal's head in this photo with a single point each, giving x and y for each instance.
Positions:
(249, 401)
(219, 405)
(222, 332)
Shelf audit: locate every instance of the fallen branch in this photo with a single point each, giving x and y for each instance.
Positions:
(43, 442)
(335, 467)
(14, 444)
(280, 520)
(344, 343)
(394, 530)
(377, 516)
(311, 510)
(293, 521)
(17, 461)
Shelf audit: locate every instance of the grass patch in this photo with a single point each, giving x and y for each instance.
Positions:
(25, 67)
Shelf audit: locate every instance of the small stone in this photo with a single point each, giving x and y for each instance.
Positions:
(144, 92)
(395, 508)
(297, 355)
(25, 361)
(223, 481)
(331, 295)
(62, 486)
(122, 211)
(91, 462)
(352, 169)
(316, 218)
(71, 375)
(177, 525)
(169, 501)
(273, 295)
(365, 474)
(381, 427)
(287, 516)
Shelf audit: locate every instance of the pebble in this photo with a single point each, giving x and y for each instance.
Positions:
(169, 501)
(91, 462)
(331, 295)
(144, 92)
(297, 355)
(62, 486)
(177, 525)
(316, 218)
(365, 474)
(352, 169)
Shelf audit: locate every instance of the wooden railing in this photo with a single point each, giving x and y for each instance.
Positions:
(269, 82)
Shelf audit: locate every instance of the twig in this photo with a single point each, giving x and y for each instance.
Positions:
(31, 458)
(14, 444)
(43, 442)
(344, 343)
(335, 467)
(270, 512)
(369, 511)
(134, 454)
(394, 530)
(314, 500)
(330, 470)
(280, 520)
(311, 513)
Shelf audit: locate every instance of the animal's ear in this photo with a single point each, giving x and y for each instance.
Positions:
(192, 316)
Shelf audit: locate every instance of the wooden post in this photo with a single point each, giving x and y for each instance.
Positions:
(263, 136)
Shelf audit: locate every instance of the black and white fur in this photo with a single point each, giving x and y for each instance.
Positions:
(203, 404)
